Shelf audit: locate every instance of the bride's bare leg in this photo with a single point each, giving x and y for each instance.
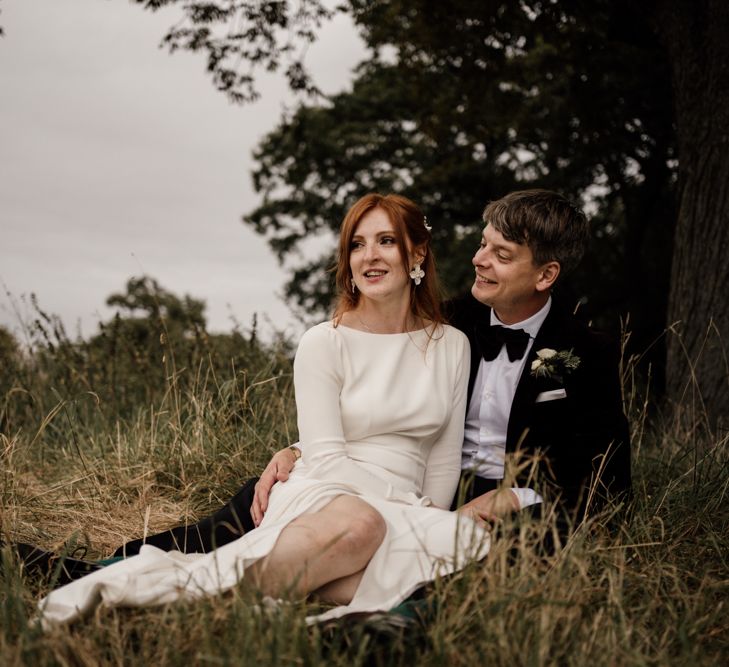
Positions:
(322, 547)
(339, 591)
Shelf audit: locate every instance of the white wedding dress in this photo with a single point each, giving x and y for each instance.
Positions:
(395, 441)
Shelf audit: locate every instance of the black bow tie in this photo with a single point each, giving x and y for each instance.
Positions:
(492, 338)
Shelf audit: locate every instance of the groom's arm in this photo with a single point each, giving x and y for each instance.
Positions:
(589, 444)
(604, 427)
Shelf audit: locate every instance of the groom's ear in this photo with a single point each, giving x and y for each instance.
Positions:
(548, 274)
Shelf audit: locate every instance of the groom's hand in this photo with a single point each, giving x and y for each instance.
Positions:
(491, 506)
(277, 470)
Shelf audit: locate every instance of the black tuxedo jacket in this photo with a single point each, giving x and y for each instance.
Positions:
(582, 437)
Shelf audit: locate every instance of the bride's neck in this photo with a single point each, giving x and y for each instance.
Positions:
(381, 319)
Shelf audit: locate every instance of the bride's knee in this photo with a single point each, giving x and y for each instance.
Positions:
(366, 529)
(350, 527)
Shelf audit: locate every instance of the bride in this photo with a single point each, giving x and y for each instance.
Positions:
(380, 394)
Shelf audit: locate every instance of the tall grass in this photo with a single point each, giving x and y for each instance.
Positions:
(95, 450)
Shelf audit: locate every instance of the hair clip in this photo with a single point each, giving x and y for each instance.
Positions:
(425, 223)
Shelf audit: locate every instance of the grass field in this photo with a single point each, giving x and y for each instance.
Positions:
(110, 439)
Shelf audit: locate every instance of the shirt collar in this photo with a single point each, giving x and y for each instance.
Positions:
(532, 324)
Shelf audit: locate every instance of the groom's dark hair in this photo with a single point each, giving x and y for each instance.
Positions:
(550, 224)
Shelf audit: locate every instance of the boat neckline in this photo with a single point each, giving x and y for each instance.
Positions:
(374, 333)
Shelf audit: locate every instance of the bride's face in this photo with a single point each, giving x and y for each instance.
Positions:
(375, 260)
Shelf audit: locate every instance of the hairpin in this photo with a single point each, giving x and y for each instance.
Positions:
(425, 223)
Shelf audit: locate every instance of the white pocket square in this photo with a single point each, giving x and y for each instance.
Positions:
(552, 395)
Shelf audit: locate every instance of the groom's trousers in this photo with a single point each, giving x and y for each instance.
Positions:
(226, 525)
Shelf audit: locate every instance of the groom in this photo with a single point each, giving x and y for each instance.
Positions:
(544, 418)
(544, 389)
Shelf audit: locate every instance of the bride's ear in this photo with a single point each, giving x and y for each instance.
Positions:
(418, 255)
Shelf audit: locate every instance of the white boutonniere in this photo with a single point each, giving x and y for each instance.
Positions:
(553, 364)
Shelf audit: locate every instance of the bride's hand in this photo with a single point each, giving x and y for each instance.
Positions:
(491, 506)
(277, 470)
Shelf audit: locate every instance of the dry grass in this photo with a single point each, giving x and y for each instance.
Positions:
(654, 593)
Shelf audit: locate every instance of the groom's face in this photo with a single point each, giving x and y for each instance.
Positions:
(507, 279)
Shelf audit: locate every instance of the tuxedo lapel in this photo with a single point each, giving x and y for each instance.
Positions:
(550, 335)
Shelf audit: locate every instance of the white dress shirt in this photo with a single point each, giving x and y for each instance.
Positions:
(487, 419)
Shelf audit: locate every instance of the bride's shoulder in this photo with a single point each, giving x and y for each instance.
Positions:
(450, 336)
(449, 332)
(326, 333)
(319, 332)
(317, 346)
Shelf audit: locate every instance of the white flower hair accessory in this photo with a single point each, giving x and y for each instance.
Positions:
(553, 364)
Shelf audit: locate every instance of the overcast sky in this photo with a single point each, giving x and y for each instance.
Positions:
(118, 159)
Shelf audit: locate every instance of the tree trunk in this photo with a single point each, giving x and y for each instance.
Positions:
(695, 36)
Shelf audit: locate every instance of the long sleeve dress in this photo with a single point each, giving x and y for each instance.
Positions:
(381, 417)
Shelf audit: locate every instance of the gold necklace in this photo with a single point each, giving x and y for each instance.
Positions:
(363, 323)
(372, 331)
